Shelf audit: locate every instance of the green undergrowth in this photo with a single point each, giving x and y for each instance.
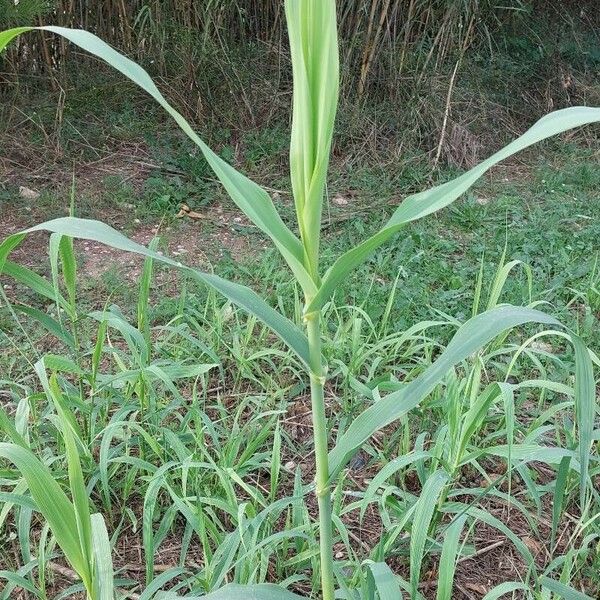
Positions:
(183, 401)
(186, 424)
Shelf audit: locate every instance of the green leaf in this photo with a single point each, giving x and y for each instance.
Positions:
(10, 430)
(486, 517)
(425, 508)
(447, 566)
(46, 321)
(144, 294)
(526, 453)
(69, 267)
(425, 203)
(469, 338)
(585, 409)
(560, 486)
(249, 197)
(10, 34)
(315, 64)
(34, 282)
(103, 566)
(504, 588)
(385, 581)
(564, 591)
(386, 472)
(76, 480)
(160, 581)
(16, 580)
(263, 591)
(238, 294)
(474, 417)
(52, 502)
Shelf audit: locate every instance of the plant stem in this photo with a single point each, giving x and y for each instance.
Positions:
(317, 381)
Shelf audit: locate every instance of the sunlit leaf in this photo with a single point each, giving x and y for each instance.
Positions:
(425, 203)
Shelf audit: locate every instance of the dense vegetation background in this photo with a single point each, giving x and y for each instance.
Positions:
(413, 70)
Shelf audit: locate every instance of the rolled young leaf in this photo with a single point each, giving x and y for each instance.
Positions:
(315, 65)
(425, 203)
(249, 196)
(238, 294)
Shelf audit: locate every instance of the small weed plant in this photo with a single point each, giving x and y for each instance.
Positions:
(236, 566)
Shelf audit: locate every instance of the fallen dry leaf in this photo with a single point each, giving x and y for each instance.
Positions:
(479, 588)
(28, 194)
(186, 211)
(340, 200)
(534, 546)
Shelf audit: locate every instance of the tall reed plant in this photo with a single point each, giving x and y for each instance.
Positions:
(314, 51)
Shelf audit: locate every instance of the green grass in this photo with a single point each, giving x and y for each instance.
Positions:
(431, 268)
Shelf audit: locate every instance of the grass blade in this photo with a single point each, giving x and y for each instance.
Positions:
(35, 282)
(103, 566)
(505, 588)
(560, 485)
(447, 566)
(264, 591)
(585, 410)
(385, 581)
(47, 322)
(420, 526)
(563, 591)
(52, 502)
(76, 481)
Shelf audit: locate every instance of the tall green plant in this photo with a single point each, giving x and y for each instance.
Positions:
(314, 51)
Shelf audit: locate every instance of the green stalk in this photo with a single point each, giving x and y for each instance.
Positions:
(322, 491)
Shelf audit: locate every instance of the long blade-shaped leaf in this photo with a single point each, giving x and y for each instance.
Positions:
(249, 196)
(585, 409)
(315, 64)
(103, 565)
(385, 581)
(424, 203)
(504, 588)
(447, 566)
(51, 501)
(76, 481)
(563, 591)
(33, 281)
(469, 338)
(238, 294)
(265, 591)
(420, 527)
